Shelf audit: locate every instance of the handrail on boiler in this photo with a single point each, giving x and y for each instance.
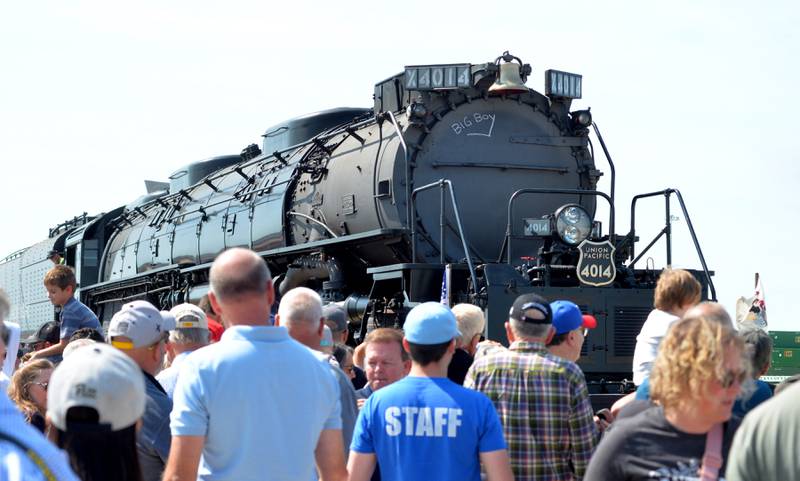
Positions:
(443, 184)
(409, 209)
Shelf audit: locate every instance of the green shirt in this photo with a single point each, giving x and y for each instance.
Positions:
(767, 444)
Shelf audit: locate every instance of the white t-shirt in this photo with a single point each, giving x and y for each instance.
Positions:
(647, 342)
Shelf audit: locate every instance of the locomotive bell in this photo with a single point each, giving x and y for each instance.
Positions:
(508, 81)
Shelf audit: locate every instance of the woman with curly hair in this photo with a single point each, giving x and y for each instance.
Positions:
(696, 378)
(28, 390)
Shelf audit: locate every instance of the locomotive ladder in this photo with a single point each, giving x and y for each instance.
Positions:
(667, 231)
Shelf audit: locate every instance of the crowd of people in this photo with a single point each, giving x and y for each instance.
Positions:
(245, 387)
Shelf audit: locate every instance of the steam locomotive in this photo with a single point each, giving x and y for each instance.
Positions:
(460, 183)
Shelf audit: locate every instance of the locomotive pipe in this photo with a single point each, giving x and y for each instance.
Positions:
(138, 295)
(668, 229)
(610, 162)
(322, 224)
(354, 307)
(299, 274)
(442, 223)
(409, 219)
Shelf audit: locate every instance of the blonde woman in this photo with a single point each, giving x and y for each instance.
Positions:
(28, 390)
(695, 381)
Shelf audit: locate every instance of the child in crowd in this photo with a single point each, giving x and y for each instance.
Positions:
(676, 291)
(60, 284)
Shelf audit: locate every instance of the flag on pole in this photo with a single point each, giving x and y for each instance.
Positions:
(759, 307)
(445, 294)
(751, 312)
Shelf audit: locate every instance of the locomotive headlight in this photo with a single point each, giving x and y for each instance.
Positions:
(581, 118)
(573, 224)
(417, 110)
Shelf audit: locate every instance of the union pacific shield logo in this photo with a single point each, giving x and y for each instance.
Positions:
(596, 263)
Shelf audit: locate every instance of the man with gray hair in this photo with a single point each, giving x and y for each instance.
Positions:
(190, 334)
(290, 417)
(550, 430)
(758, 347)
(470, 324)
(300, 311)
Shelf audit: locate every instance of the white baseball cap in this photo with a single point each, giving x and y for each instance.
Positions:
(74, 345)
(140, 322)
(100, 377)
(189, 316)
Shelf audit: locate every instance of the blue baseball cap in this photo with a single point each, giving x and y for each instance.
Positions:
(431, 323)
(567, 317)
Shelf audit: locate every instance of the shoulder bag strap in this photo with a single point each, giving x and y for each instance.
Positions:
(712, 458)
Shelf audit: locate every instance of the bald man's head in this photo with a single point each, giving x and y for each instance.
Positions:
(237, 273)
(710, 310)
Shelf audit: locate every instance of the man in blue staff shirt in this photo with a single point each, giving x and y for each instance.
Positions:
(425, 426)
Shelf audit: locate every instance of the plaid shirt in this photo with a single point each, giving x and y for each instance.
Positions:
(544, 408)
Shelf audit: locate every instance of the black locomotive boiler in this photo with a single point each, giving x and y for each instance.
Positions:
(460, 181)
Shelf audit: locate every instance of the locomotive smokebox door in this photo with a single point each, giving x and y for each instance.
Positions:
(596, 263)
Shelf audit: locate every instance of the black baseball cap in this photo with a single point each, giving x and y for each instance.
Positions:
(51, 254)
(521, 310)
(49, 332)
(336, 315)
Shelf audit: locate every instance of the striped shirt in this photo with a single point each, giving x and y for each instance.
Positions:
(544, 408)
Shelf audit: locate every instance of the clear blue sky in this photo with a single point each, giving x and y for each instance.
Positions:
(96, 96)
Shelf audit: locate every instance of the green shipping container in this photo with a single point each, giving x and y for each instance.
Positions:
(785, 339)
(786, 357)
(783, 371)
